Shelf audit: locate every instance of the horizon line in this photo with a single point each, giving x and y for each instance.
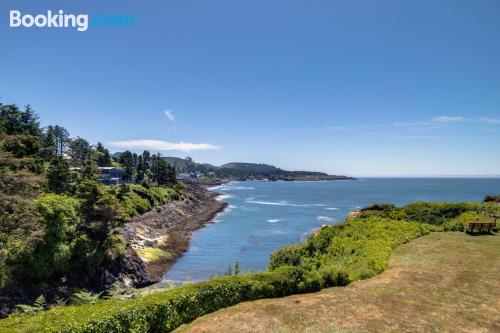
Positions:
(426, 176)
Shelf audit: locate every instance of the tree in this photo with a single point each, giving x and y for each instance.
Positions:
(61, 138)
(58, 175)
(59, 216)
(13, 121)
(140, 170)
(89, 170)
(127, 160)
(22, 133)
(165, 174)
(79, 151)
(103, 156)
(49, 142)
(101, 210)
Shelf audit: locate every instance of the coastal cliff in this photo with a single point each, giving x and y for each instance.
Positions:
(160, 236)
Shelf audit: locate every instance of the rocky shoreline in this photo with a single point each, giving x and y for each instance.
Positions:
(161, 236)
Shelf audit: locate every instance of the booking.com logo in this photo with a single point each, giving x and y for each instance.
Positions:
(80, 22)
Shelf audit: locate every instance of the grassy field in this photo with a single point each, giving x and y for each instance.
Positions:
(443, 282)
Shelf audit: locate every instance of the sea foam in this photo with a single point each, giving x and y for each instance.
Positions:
(275, 203)
(325, 218)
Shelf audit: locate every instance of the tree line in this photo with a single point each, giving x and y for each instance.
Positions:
(58, 224)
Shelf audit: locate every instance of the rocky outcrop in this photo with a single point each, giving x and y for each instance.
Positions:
(130, 269)
(353, 214)
(160, 236)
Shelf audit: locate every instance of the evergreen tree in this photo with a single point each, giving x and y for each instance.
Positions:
(58, 175)
(61, 138)
(49, 142)
(79, 151)
(103, 157)
(127, 160)
(140, 170)
(165, 173)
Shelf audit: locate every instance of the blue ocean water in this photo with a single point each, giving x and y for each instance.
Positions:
(264, 216)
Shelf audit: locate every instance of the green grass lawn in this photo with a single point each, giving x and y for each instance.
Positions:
(443, 282)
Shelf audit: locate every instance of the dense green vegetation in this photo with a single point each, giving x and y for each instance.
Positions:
(451, 216)
(58, 225)
(357, 249)
(243, 170)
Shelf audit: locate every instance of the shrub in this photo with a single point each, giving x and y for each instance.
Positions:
(492, 198)
(358, 248)
(84, 297)
(436, 213)
(137, 199)
(289, 255)
(379, 207)
(459, 223)
(39, 305)
(164, 311)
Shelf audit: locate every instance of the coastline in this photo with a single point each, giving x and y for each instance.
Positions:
(158, 238)
(162, 235)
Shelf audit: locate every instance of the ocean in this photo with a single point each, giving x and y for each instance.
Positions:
(264, 216)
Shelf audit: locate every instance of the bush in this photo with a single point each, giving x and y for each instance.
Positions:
(164, 311)
(289, 255)
(492, 198)
(459, 223)
(357, 249)
(379, 207)
(50, 256)
(437, 213)
(84, 297)
(136, 199)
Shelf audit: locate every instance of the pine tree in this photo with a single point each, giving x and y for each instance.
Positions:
(127, 160)
(103, 157)
(61, 138)
(58, 175)
(165, 174)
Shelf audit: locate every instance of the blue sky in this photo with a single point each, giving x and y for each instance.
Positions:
(365, 88)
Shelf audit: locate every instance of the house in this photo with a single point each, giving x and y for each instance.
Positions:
(109, 175)
(182, 176)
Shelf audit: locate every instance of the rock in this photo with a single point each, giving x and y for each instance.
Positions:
(168, 228)
(353, 214)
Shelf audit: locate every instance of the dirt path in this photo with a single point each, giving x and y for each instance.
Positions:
(444, 282)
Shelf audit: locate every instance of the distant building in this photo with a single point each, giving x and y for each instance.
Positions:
(109, 175)
(182, 176)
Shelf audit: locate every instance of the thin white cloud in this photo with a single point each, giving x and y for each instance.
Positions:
(449, 119)
(158, 145)
(488, 120)
(170, 116)
(417, 125)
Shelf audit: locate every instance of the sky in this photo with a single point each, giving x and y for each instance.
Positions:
(362, 88)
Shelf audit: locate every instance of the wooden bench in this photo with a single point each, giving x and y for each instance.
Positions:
(480, 227)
